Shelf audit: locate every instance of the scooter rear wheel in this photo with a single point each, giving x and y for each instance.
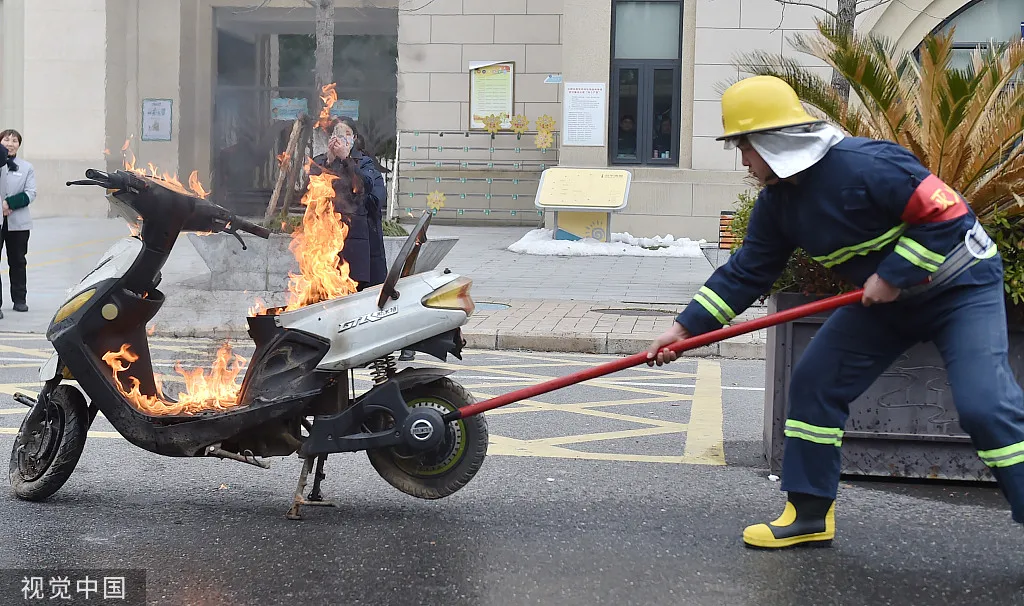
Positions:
(441, 472)
(49, 444)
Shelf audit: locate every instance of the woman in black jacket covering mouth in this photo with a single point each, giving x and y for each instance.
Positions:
(359, 195)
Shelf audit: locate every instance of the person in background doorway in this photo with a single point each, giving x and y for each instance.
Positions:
(351, 193)
(376, 195)
(17, 190)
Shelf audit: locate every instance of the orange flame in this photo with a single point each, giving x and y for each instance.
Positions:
(282, 160)
(317, 246)
(329, 100)
(216, 391)
(169, 181)
(196, 186)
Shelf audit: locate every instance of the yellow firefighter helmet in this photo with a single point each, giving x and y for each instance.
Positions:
(761, 103)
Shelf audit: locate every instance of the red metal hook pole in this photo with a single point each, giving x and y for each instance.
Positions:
(713, 336)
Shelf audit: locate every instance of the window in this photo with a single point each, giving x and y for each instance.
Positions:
(645, 82)
(981, 23)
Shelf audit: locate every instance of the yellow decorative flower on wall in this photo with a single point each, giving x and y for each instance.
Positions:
(545, 124)
(520, 123)
(492, 123)
(435, 200)
(545, 140)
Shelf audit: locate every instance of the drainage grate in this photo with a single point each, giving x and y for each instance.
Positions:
(495, 306)
(635, 312)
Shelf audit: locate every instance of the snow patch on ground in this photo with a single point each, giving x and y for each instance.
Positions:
(540, 242)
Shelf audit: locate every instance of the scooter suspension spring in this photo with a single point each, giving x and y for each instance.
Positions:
(383, 369)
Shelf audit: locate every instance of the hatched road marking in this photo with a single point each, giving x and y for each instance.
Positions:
(614, 401)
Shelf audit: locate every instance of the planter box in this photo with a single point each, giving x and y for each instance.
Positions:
(263, 266)
(904, 425)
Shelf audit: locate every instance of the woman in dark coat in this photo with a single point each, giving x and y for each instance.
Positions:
(359, 195)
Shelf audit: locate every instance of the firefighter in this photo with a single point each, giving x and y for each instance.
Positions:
(872, 213)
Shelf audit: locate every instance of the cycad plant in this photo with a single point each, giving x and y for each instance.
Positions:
(964, 124)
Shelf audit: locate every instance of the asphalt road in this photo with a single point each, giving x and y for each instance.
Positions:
(633, 489)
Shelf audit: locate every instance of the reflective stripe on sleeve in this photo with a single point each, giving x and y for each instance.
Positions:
(1003, 457)
(830, 436)
(715, 305)
(919, 255)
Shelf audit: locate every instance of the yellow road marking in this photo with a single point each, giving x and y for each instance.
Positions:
(500, 445)
(606, 435)
(702, 433)
(704, 440)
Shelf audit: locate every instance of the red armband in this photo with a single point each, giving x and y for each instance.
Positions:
(933, 202)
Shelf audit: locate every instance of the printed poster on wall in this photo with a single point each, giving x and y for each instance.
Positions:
(491, 92)
(156, 119)
(346, 107)
(584, 114)
(282, 108)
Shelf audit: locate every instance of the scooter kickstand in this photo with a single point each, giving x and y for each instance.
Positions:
(293, 512)
(314, 495)
(315, 498)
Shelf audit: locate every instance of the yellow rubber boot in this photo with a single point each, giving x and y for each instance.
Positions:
(807, 521)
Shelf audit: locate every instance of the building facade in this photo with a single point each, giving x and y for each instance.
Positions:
(79, 76)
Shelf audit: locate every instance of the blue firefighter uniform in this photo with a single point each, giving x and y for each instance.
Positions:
(868, 207)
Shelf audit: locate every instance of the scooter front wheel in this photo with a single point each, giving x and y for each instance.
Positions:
(441, 472)
(49, 443)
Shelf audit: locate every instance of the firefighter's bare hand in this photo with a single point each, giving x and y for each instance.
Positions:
(657, 354)
(877, 290)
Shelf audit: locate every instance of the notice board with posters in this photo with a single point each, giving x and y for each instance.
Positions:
(584, 108)
(491, 92)
(157, 119)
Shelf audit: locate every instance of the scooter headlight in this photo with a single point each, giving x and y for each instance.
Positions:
(74, 305)
(454, 295)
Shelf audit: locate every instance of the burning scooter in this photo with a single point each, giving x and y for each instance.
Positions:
(296, 394)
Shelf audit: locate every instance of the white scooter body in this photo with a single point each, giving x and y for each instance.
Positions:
(359, 332)
(297, 395)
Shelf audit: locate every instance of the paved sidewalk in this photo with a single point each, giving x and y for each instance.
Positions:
(568, 326)
(573, 304)
(613, 305)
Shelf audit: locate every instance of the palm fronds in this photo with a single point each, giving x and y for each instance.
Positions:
(965, 125)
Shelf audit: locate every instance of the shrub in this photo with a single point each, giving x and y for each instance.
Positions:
(802, 274)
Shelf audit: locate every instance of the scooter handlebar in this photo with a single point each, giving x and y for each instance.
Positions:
(257, 230)
(119, 180)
